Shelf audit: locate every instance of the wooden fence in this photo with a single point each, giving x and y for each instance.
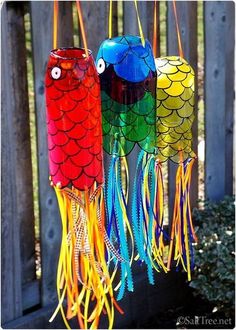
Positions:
(27, 302)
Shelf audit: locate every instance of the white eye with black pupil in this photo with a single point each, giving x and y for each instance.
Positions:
(101, 66)
(56, 73)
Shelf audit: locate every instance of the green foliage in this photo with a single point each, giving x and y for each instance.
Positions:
(215, 253)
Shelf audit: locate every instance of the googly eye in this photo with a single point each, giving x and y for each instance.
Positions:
(101, 66)
(56, 73)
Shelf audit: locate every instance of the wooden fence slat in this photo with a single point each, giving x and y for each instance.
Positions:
(130, 18)
(21, 129)
(187, 16)
(65, 24)
(38, 320)
(219, 18)
(10, 261)
(145, 310)
(145, 9)
(30, 295)
(96, 28)
(50, 224)
(115, 17)
(18, 247)
(150, 22)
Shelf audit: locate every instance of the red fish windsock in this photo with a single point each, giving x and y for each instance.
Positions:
(76, 173)
(73, 120)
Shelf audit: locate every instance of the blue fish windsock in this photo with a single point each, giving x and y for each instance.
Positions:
(128, 87)
(128, 79)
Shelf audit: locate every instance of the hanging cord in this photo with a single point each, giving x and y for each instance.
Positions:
(155, 30)
(110, 21)
(154, 40)
(139, 23)
(181, 54)
(138, 19)
(82, 27)
(81, 23)
(55, 23)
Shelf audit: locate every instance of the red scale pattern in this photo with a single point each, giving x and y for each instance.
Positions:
(73, 119)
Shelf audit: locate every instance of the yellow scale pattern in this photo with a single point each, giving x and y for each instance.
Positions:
(175, 105)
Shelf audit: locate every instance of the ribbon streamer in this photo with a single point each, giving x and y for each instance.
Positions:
(175, 115)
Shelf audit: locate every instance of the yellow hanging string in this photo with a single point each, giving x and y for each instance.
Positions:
(139, 24)
(55, 23)
(110, 20)
(138, 18)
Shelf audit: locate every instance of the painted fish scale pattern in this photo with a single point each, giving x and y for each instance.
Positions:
(73, 120)
(128, 89)
(175, 106)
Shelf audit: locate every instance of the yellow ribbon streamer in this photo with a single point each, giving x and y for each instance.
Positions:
(83, 240)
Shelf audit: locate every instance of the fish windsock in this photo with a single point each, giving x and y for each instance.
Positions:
(128, 89)
(175, 108)
(74, 127)
(175, 115)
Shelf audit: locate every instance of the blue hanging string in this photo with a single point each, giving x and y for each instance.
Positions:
(126, 275)
(136, 216)
(116, 227)
(142, 232)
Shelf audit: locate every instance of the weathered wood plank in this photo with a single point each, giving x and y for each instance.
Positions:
(22, 149)
(95, 15)
(150, 23)
(115, 17)
(30, 294)
(50, 227)
(145, 304)
(37, 320)
(11, 288)
(130, 18)
(219, 18)
(65, 24)
(187, 16)
(18, 262)
(145, 9)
